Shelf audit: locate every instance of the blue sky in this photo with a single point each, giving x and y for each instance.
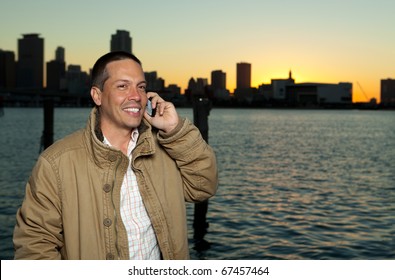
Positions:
(320, 41)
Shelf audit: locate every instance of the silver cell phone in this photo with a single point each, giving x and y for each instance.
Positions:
(149, 108)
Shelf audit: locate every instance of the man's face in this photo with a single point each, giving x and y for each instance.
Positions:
(123, 98)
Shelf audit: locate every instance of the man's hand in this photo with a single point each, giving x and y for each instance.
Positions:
(166, 117)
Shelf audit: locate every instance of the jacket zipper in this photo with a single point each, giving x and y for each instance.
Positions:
(115, 212)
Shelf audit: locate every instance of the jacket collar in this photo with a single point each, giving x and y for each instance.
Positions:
(102, 154)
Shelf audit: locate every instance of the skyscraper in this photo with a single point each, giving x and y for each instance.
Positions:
(30, 67)
(59, 54)
(243, 75)
(7, 69)
(56, 70)
(218, 80)
(121, 41)
(154, 83)
(388, 92)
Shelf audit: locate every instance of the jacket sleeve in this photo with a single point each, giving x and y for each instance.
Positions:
(38, 230)
(195, 159)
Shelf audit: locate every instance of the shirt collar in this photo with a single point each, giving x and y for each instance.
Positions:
(132, 143)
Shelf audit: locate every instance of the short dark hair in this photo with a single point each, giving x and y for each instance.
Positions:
(99, 71)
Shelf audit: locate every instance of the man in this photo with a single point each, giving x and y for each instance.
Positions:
(117, 189)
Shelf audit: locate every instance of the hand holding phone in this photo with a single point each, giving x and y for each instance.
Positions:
(166, 119)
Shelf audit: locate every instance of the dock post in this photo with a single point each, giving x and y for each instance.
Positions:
(47, 137)
(201, 111)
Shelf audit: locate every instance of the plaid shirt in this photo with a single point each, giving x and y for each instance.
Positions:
(141, 236)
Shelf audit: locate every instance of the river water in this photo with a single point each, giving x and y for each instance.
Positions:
(293, 184)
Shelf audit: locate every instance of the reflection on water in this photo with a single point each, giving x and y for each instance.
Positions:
(294, 184)
(303, 185)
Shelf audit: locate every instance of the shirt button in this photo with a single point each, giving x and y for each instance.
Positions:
(107, 188)
(109, 256)
(107, 222)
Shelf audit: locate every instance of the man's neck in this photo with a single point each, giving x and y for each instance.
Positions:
(118, 140)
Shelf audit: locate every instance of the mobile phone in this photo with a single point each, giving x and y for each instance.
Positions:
(151, 111)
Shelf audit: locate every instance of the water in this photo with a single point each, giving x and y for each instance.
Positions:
(294, 184)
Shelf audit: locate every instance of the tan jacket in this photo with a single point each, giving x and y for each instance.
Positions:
(72, 205)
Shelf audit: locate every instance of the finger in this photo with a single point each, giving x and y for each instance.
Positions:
(159, 108)
(163, 107)
(151, 94)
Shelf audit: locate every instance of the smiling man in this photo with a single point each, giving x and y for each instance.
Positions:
(117, 188)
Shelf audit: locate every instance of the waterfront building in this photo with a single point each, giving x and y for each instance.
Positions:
(197, 88)
(218, 85)
(218, 80)
(201, 86)
(279, 87)
(77, 80)
(56, 71)
(121, 41)
(320, 94)
(266, 91)
(30, 66)
(154, 83)
(174, 89)
(243, 78)
(7, 70)
(387, 92)
(243, 92)
(60, 54)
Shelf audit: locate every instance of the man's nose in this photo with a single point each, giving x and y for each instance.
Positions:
(133, 94)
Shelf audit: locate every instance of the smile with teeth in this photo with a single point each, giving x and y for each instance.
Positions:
(132, 110)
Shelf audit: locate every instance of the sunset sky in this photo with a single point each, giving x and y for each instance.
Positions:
(319, 41)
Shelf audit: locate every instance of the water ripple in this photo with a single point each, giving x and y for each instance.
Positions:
(293, 184)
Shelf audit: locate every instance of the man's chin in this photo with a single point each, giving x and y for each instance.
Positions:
(132, 125)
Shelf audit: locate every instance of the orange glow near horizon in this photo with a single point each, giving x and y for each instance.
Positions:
(361, 91)
(319, 41)
(359, 94)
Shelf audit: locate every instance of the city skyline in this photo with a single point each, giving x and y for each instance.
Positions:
(338, 41)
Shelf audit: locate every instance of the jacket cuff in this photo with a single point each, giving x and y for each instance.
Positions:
(177, 129)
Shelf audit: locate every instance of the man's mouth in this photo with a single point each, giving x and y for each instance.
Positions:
(132, 110)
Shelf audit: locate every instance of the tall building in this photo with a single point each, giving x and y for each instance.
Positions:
(60, 54)
(154, 83)
(77, 80)
(243, 75)
(7, 69)
(121, 41)
(30, 66)
(151, 78)
(56, 71)
(197, 87)
(218, 86)
(174, 89)
(388, 92)
(218, 80)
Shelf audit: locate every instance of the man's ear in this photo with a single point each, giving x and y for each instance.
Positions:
(96, 95)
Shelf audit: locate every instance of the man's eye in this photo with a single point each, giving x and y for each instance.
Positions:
(122, 86)
(143, 88)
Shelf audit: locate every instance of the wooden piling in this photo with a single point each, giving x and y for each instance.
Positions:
(47, 137)
(201, 111)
